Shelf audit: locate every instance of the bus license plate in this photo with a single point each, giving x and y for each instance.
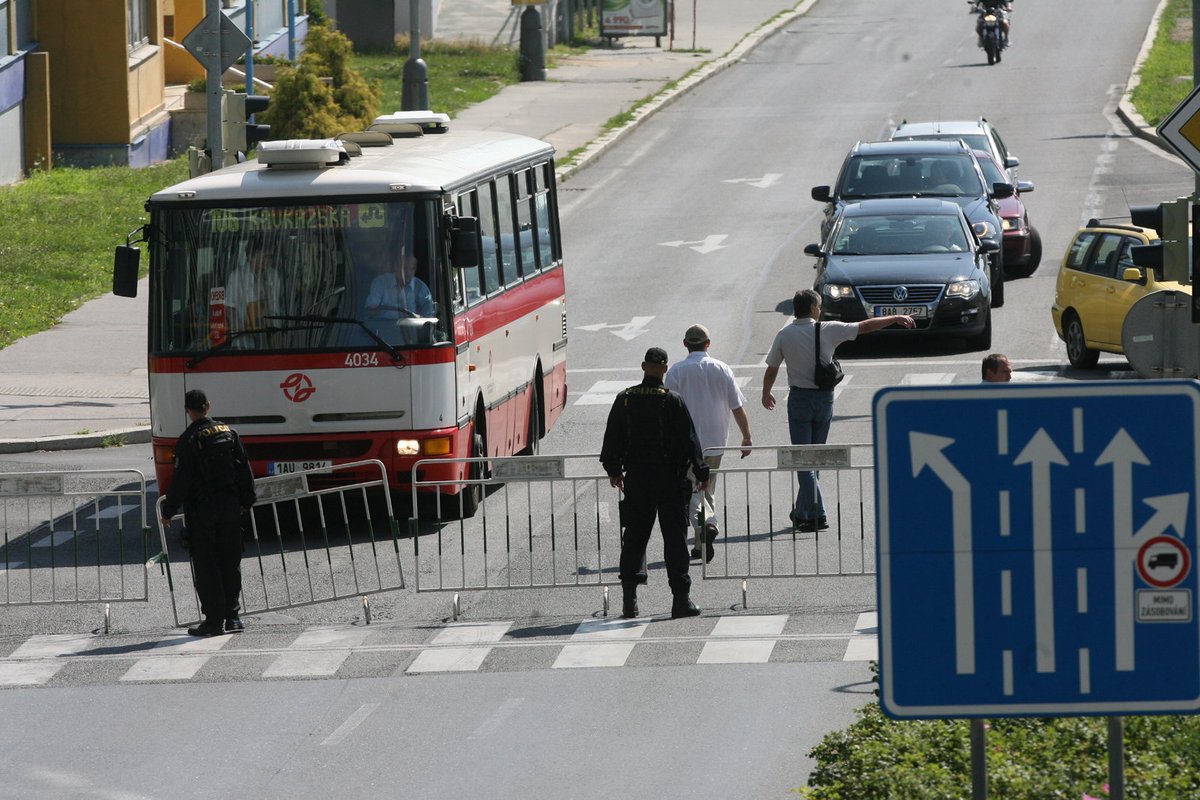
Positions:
(908, 311)
(290, 467)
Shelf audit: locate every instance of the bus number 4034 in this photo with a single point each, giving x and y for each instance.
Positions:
(362, 359)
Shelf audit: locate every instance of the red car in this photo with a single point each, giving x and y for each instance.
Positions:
(1022, 242)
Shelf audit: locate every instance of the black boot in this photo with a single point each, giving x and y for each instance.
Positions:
(629, 609)
(683, 607)
(211, 626)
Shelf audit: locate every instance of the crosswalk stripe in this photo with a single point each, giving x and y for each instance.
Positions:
(54, 645)
(335, 644)
(449, 659)
(864, 649)
(28, 673)
(751, 625)
(745, 650)
(176, 658)
(599, 630)
(608, 654)
(471, 633)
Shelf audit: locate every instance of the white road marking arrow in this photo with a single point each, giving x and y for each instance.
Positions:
(765, 182)
(709, 244)
(926, 451)
(1041, 453)
(627, 331)
(1122, 452)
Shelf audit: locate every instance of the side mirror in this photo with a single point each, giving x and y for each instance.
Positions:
(1024, 186)
(1011, 161)
(1132, 274)
(822, 194)
(464, 242)
(813, 250)
(989, 246)
(1001, 191)
(125, 270)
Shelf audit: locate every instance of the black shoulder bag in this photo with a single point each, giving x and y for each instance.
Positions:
(825, 376)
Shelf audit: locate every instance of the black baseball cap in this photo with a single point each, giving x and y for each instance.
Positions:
(656, 355)
(195, 400)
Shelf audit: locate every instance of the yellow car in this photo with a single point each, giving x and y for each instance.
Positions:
(1097, 285)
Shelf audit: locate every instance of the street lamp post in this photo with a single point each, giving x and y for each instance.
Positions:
(414, 94)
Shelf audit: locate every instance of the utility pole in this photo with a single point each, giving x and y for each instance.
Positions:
(414, 94)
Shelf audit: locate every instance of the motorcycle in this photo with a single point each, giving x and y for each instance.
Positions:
(992, 29)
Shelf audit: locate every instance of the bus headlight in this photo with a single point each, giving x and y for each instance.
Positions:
(407, 447)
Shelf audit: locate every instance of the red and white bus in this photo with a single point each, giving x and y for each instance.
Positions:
(277, 286)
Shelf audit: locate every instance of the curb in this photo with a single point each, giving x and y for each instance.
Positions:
(684, 85)
(75, 442)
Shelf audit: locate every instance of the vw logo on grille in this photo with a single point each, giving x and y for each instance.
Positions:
(900, 293)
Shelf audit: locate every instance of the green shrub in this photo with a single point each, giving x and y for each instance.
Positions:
(1062, 758)
(304, 106)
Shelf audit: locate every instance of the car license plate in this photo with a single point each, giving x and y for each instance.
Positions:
(290, 467)
(908, 311)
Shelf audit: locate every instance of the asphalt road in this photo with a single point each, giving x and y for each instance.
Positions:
(700, 216)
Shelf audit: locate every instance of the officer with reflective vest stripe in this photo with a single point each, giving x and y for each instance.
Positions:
(648, 446)
(213, 483)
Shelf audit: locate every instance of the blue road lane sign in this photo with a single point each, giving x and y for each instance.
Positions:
(1037, 549)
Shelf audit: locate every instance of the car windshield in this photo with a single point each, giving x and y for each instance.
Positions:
(991, 173)
(941, 175)
(900, 234)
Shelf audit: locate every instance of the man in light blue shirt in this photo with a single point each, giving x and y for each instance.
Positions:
(400, 294)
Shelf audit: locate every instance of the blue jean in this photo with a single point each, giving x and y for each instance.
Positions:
(810, 412)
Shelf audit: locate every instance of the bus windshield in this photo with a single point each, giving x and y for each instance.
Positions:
(278, 278)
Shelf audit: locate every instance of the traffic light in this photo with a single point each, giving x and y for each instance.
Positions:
(1168, 256)
(239, 135)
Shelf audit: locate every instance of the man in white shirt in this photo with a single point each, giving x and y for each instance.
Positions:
(711, 394)
(810, 410)
(253, 291)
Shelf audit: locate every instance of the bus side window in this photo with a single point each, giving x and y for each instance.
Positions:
(509, 272)
(487, 228)
(467, 207)
(545, 204)
(526, 222)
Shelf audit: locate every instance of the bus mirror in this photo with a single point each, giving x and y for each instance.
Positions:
(125, 271)
(464, 242)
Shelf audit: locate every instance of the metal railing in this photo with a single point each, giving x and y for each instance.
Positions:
(309, 540)
(73, 537)
(553, 521)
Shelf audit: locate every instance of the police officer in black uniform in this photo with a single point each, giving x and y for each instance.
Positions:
(648, 446)
(213, 482)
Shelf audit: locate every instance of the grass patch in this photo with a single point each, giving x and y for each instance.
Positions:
(1167, 73)
(1062, 758)
(57, 235)
(113, 440)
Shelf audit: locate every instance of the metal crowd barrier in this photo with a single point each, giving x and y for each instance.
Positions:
(553, 521)
(74, 537)
(309, 540)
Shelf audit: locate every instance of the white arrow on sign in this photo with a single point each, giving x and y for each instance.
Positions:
(627, 331)
(765, 182)
(707, 245)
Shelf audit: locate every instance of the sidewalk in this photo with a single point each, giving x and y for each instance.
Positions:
(83, 383)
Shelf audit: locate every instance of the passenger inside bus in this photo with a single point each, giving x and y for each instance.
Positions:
(253, 290)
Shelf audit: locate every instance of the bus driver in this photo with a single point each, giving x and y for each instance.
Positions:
(400, 293)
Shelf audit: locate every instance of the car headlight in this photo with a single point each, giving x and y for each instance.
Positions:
(965, 289)
(1011, 224)
(837, 291)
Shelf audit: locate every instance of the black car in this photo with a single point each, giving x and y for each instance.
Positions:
(910, 256)
(932, 168)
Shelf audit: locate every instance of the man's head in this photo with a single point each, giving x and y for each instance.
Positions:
(696, 338)
(806, 303)
(195, 403)
(997, 368)
(655, 362)
(406, 267)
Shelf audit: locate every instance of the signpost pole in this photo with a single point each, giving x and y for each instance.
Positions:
(1116, 758)
(212, 71)
(979, 781)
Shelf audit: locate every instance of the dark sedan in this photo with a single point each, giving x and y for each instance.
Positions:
(912, 256)
(1022, 242)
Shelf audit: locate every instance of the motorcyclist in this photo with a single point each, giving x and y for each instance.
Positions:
(1001, 8)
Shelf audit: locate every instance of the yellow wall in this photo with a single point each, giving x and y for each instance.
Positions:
(181, 66)
(100, 92)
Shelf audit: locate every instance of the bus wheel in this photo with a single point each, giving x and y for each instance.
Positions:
(533, 436)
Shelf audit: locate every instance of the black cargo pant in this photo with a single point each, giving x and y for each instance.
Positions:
(215, 531)
(649, 492)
